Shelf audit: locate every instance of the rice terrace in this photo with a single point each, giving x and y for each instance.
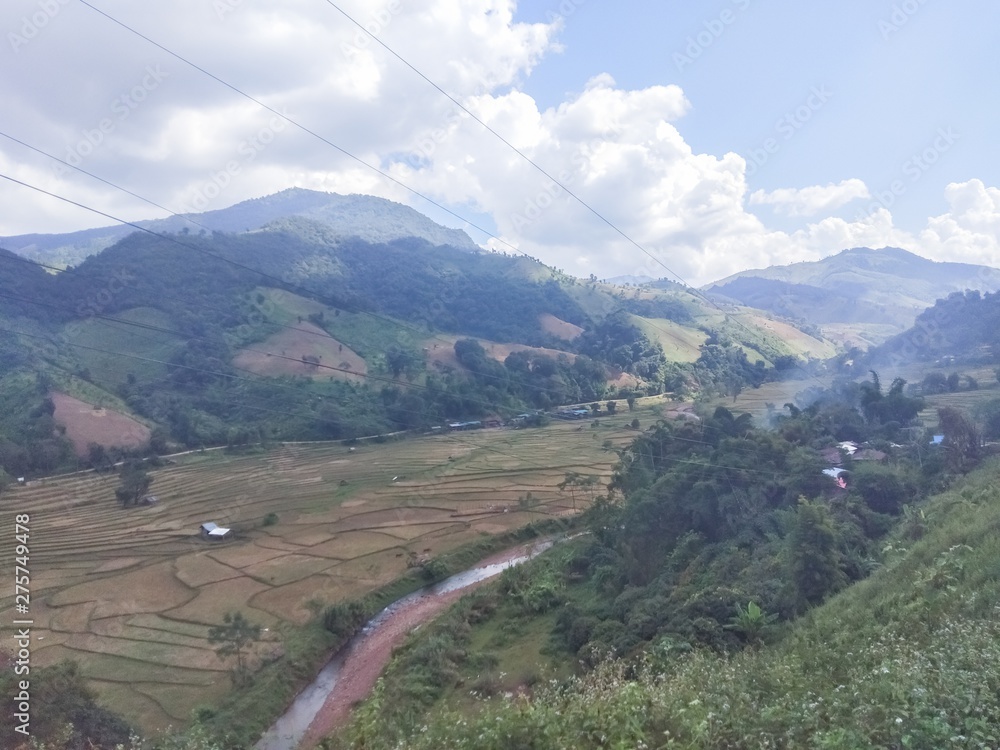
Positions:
(131, 593)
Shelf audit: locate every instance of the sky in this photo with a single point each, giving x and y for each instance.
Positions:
(686, 140)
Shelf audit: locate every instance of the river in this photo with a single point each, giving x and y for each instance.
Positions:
(350, 675)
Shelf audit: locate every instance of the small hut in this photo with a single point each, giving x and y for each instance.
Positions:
(214, 532)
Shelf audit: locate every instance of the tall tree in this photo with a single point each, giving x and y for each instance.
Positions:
(135, 482)
(815, 568)
(236, 636)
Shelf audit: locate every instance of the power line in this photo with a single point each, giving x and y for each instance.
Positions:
(507, 143)
(534, 164)
(358, 159)
(311, 132)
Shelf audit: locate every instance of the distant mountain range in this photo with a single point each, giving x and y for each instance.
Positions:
(859, 296)
(366, 217)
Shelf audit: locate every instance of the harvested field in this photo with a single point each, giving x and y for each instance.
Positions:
(130, 593)
(440, 352)
(86, 423)
(308, 346)
(558, 327)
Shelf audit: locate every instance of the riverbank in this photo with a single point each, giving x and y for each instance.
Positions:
(368, 656)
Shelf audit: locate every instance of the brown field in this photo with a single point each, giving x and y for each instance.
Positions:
(440, 351)
(86, 423)
(558, 327)
(800, 343)
(130, 594)
(311, 341)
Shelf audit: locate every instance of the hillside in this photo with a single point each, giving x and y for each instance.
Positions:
(731, 595)
(366, 217)
(294, 331)
(857, 296)
(963, 327)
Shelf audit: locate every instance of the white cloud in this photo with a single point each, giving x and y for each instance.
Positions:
(622, 151)
(809, 201)
(970, 230)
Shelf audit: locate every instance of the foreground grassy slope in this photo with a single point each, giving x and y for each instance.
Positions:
(908, 658)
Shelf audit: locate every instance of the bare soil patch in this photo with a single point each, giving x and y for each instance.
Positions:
(86, 423)
(305, 350)
(558, 327)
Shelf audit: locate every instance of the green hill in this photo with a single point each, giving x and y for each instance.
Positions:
(856, 294)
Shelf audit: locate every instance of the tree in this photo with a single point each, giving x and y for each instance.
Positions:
(961, 440)
(612, 407)
(135, 483)
(236, 635)
(815, 568)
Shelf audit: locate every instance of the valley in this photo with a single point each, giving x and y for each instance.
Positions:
(130, 593)
(321, 396)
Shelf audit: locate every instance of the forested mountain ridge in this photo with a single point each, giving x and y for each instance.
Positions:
(883, 290)
(364, 216)
(963, 327)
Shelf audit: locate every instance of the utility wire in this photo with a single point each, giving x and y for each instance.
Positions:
(352, 156)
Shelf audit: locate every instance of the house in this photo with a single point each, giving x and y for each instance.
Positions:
(831, 455)
(870, 454)
(834, 472)
(849, 447)
(214, 532)
(937, 440)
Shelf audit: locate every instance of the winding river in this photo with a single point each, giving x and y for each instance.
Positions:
(350, 675)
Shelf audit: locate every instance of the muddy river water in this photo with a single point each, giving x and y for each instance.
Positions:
(350, 675)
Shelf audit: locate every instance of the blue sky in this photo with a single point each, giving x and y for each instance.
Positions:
(897, 73)
(715, 135)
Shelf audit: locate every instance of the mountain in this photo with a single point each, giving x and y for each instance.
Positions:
(859, 296)
(367, 217)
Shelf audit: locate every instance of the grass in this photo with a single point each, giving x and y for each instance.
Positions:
(116, 337)
(130, 588)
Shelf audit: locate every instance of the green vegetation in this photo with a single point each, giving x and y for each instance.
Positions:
(64, 714)
(675, 605)
(183, 335)
(907, 658)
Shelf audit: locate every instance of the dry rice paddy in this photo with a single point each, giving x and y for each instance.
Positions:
(130, 594)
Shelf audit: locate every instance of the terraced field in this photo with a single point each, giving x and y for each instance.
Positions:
(130, 594)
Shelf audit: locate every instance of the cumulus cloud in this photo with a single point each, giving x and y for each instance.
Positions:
(970, 230)
(809, 201)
